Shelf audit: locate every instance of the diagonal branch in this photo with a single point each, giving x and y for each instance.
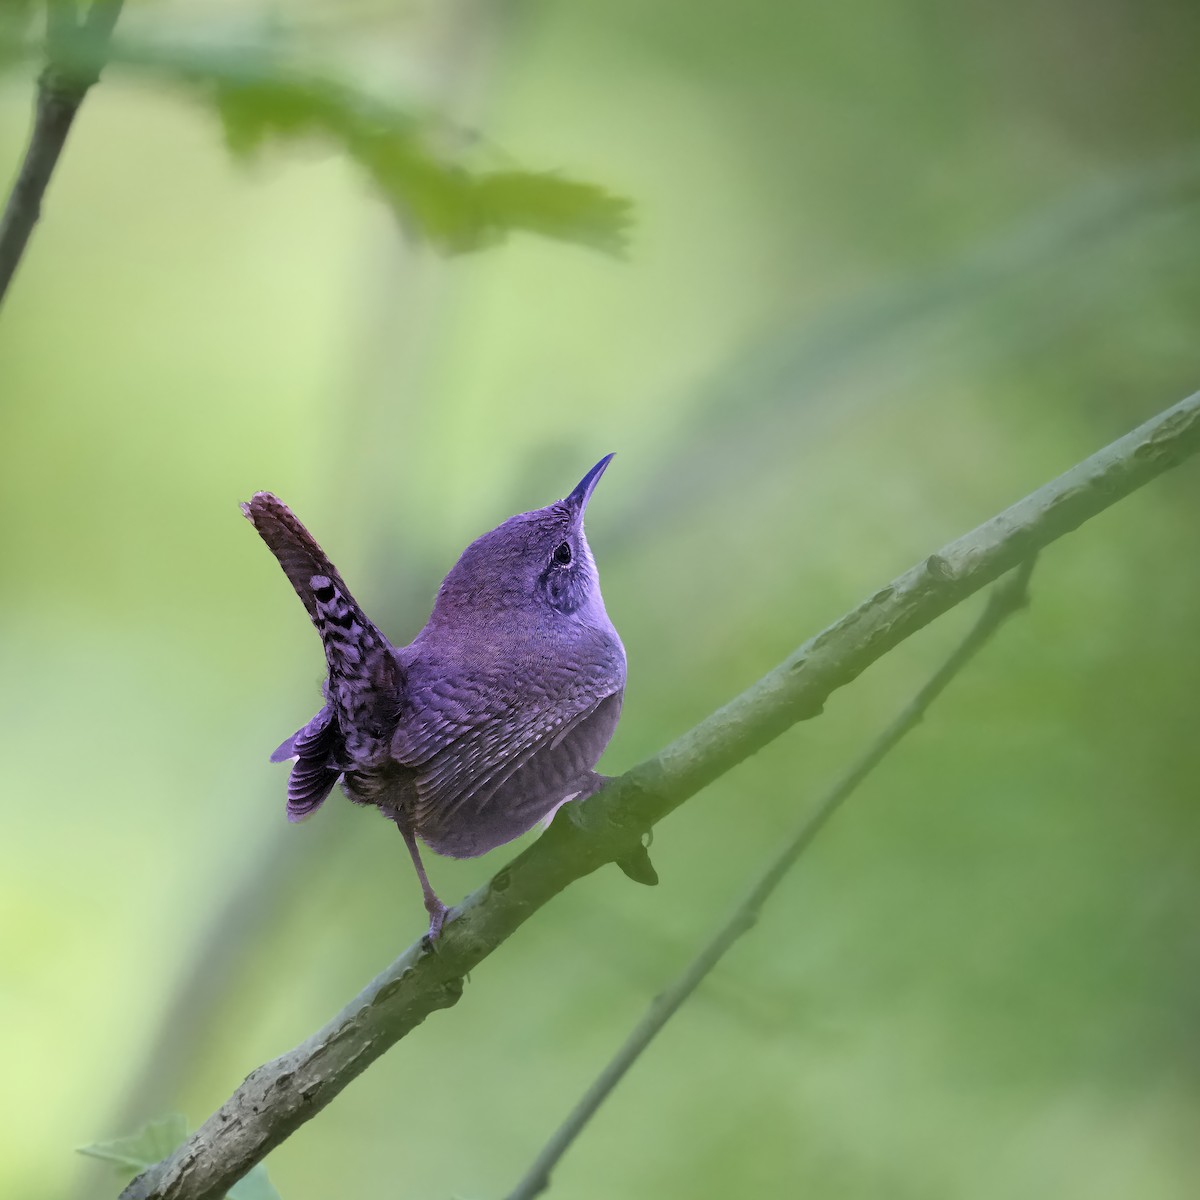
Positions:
(1089, 218)
(1009, 596)
(277, 1098)
(60, 92)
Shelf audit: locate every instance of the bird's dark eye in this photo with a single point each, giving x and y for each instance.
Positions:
(562, 554)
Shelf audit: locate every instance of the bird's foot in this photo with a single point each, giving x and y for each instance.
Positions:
(438, 913)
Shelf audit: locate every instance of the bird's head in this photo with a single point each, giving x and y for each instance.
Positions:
(538, 562)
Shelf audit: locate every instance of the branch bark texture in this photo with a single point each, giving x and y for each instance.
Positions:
(60, 92)
(277, 1098)
(1009, 596)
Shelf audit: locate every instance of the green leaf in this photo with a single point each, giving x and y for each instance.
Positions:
(434, 193)
(555, 207)
(15, 14)
(417, 161)
(14, 30)
(133, 1154)
(254, 1186)
(160, 1137)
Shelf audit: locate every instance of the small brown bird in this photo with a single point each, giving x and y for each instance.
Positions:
(495, 713)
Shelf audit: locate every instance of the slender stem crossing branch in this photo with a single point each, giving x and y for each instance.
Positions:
(277, 1098)
(60, 92)
(1009, 596)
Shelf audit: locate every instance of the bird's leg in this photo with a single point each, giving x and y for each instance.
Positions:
(433, 906)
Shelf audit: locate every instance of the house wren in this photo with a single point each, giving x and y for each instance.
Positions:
(495, 713)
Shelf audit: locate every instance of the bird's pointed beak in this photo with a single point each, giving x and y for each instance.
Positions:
(578, 499)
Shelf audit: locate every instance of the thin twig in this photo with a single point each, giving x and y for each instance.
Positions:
(60, 92)
(280, 1096)
(1006, 599)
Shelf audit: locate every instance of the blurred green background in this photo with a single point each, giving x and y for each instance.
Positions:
(894, 265)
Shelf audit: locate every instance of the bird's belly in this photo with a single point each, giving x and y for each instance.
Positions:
(492, 817)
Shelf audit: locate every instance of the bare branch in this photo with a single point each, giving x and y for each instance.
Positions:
(60, 92)
(277, 1098)
(1009, 596)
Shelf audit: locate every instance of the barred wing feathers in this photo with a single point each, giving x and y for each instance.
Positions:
(483, 780)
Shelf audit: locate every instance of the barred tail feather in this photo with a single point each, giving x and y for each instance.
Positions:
(315, 749)
(309, 786)
(348, 637)
(296, 549)
(355, 727)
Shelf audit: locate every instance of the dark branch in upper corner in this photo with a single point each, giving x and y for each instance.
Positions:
(277, 1098)
(1008, 597)
(60, 92)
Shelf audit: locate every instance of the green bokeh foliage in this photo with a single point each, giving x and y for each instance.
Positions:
(894, 267)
